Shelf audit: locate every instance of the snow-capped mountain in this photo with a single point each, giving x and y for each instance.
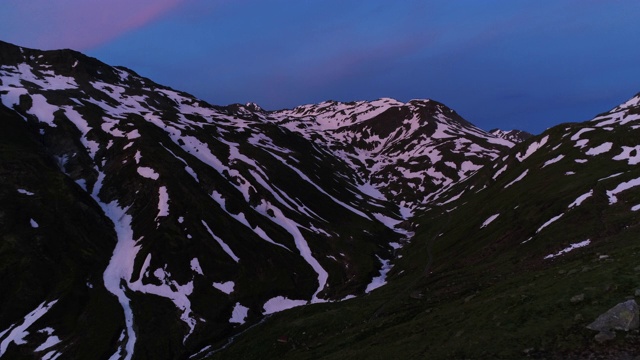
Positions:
(405, 150)
(515, 136)
(523, 259)
(179, 222)
(164, 221)
(139, 222)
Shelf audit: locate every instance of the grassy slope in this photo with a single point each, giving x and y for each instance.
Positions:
(486, 295)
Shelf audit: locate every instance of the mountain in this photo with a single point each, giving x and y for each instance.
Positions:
(405, 150)
(141, 222)
(515, 261)
(515, 136)
(142, 218)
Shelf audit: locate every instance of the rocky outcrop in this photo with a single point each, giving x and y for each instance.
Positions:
(624, 316)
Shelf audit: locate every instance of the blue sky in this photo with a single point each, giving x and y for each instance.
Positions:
(508, 64)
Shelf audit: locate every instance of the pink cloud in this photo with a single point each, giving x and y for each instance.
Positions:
(80, 24)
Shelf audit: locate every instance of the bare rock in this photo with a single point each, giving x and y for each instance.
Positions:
(576, 299)
(624, 316)
(605, 336)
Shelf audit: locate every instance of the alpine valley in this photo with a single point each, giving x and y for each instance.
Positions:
(139, 222)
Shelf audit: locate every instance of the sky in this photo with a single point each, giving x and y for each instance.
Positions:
(510, 64)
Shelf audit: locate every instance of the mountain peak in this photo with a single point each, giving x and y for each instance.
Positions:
(406, 150)
(515, 136)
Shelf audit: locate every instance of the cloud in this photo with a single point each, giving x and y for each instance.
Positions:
(77, 24)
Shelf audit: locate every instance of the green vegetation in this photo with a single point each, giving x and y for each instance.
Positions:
(488, 294)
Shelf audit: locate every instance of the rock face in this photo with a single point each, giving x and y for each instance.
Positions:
(623, 316)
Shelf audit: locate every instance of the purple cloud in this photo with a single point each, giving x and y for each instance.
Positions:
(77, 24)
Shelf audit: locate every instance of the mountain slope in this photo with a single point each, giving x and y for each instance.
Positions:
(516, 136)
(405, 150)
(513, 262)
(197, 219)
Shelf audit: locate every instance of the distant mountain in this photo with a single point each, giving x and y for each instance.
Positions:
(405, 150)
(515, 136)
(139, 222)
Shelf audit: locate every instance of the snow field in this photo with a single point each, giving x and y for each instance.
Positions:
(16, 333)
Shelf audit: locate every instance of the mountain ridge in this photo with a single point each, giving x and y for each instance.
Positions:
(141, 222)
(206, 204)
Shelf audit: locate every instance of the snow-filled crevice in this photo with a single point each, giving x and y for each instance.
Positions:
(120, 267)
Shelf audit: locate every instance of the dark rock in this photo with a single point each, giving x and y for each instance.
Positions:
(605, 336)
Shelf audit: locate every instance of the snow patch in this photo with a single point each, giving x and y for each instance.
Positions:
(163, 202)
(489, 220)
(570, 248)
(577, 135)
(553, 219)
(239, 314)
(120, 265)
(518, 178)
(620, 188)
(169, 289)
(631, 154)
(580, 199)
(222, 244)
(148, 173)
(16, 334)
(52, 340)
(381, 279)
(226, 287)
(195, 266)
(502, 169)
(33, 223)
(532, 149)
(281, 303)
(600, 149)
(553, 161)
